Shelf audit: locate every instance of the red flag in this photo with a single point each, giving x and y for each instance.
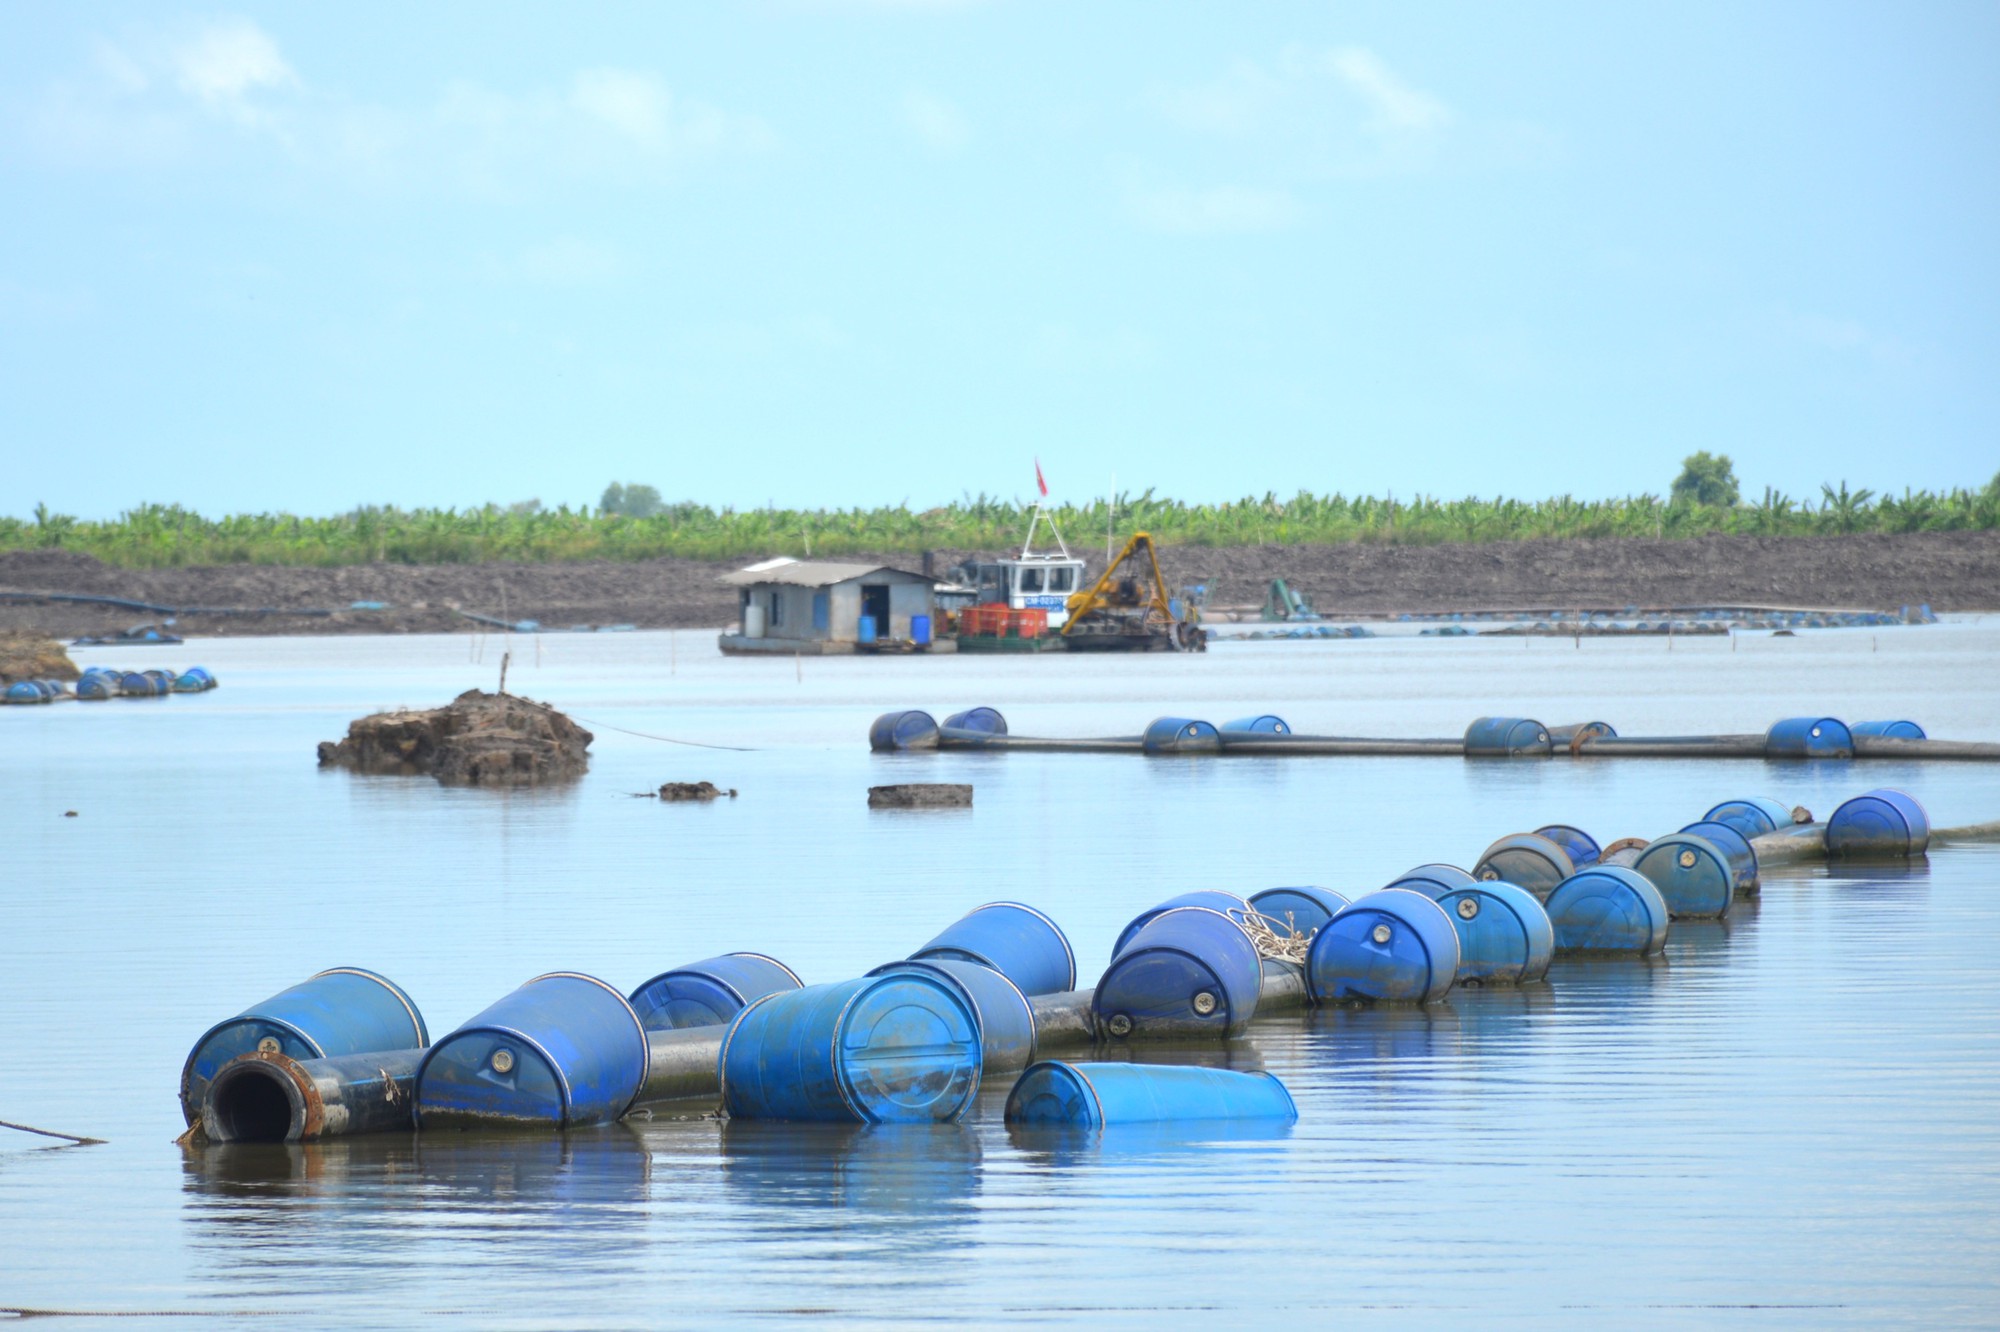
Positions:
(1038, 478)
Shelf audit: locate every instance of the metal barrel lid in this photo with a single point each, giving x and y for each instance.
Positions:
(1608, 909)
(1304, 909)
(1526, 860)
(1060, 1094)
(1391, 945)
(1692, 873)
(909, 729)
(1434, 880)
(1215, 899)
(1504, 935)
(1015, 940)
(1883, 822)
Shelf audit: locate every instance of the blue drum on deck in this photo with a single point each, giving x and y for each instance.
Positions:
(1303, 909)
(1214, 899)
(709, 992)
(1581, 848)
(1187, 972)
(976, 723)
(1892, 730)
(1264, 725)
(1504, 935)
(1432, 881)
(1752, 817)
(894, 731)
(1393, 945)
(1179, 735)
(1017, 941)
(1506, 737)
(1608, 909)
(1742, 856)
(1526, 860)
(1058, 1094)
(1883, 822)
(563, 1051)
(341, 1011)
(1692, 873)
(1006, 1018)
(1809, 738)
(895, 1049)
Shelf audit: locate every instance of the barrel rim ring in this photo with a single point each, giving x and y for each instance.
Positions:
(638, 1025)
(402, 995)
(935, 964)
(766, 957)
(1042, 916)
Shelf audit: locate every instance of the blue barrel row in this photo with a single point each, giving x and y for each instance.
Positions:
(98, 683)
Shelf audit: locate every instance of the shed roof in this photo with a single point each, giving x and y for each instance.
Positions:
(811, 573)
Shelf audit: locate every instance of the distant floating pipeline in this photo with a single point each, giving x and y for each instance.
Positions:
(1802, 738)
(98, 683)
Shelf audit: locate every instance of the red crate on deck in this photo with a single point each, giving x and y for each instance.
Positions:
(987, 621)
(1028, 623)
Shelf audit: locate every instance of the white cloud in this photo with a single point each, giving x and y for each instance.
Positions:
(1342, 107)
(224, 63)
(937, 124)
(1221, 209)
(1394, 103)
(635, 104)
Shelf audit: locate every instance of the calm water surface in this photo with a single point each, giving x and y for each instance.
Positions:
(1790, 1120)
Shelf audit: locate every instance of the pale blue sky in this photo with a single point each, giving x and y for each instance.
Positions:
(828, 253)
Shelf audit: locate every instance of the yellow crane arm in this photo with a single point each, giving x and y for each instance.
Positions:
(1099, 595)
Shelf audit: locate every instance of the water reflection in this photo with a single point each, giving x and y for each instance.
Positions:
(1902, 878)
(1064, 1147)
(897, 1185)
(1391, 1041)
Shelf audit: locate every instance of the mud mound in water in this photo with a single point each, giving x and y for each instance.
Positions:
(27, 655)
(478, 739)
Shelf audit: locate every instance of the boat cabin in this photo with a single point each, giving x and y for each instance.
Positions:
(1029, 582)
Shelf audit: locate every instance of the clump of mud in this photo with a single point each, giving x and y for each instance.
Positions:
(478, 739)
(694, 791)
(28, 655)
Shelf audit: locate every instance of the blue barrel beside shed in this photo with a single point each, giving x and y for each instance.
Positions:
(1391, 945)
(1692, 873)
(1059, 1094)
(975, 723)
(1187, 972)
(1180, 735)
(1432, 881)
(340, 1011)
(1304, 909)
(1892, 730)
(1526, 860)
(1017, 941)
(1809, 738)
(1752, 816)
(1742, 856)
(1581, 848)
(1214, 899)
(563, 1051)
(901, 1048)
(1608, 909)
(910, 729)
(1506, 737)
(1883, 823)
(709, 992)
(1006, 1018)
(1264, 725)
(1504, 935)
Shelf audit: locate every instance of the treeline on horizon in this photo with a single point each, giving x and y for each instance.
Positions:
(163, 535)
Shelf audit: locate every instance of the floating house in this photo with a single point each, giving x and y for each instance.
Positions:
(822, 606)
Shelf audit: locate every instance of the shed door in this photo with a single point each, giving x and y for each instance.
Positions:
(820, 612)
(875, 603)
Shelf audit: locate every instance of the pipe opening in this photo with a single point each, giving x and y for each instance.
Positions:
(250, 1102)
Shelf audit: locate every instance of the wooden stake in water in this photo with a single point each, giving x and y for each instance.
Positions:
(798, 669)
(503, 670)
(673, 651)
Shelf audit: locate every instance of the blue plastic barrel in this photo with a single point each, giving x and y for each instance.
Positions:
(1506, 737)
(709, 992)
(26, 691)
(1581, 848)
(1017, 941)
(1742, 856)
(1006, 1018)
(1752, 816)
(903, 730)
(1058, 1094)
(1809, 738)
(1527, 860)
(194, 680)
(867, 629)
(1304, 909)
(1504, 935)
(920, 629)
(1215, 899)
(1433, 881)
(895, 1049)
(1882, 822)
(341, 1011)
(1187, 972)
(976, 721)
(97, 686)
(563, 1051)
(1895, 730)
(1178, 735)
(1391, 945)
(1264, 725)
(1608, 909)
(1691, 872)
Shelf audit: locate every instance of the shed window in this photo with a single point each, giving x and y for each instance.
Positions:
(777, 609)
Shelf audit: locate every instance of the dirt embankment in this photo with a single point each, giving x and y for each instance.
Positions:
(1953, 571)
